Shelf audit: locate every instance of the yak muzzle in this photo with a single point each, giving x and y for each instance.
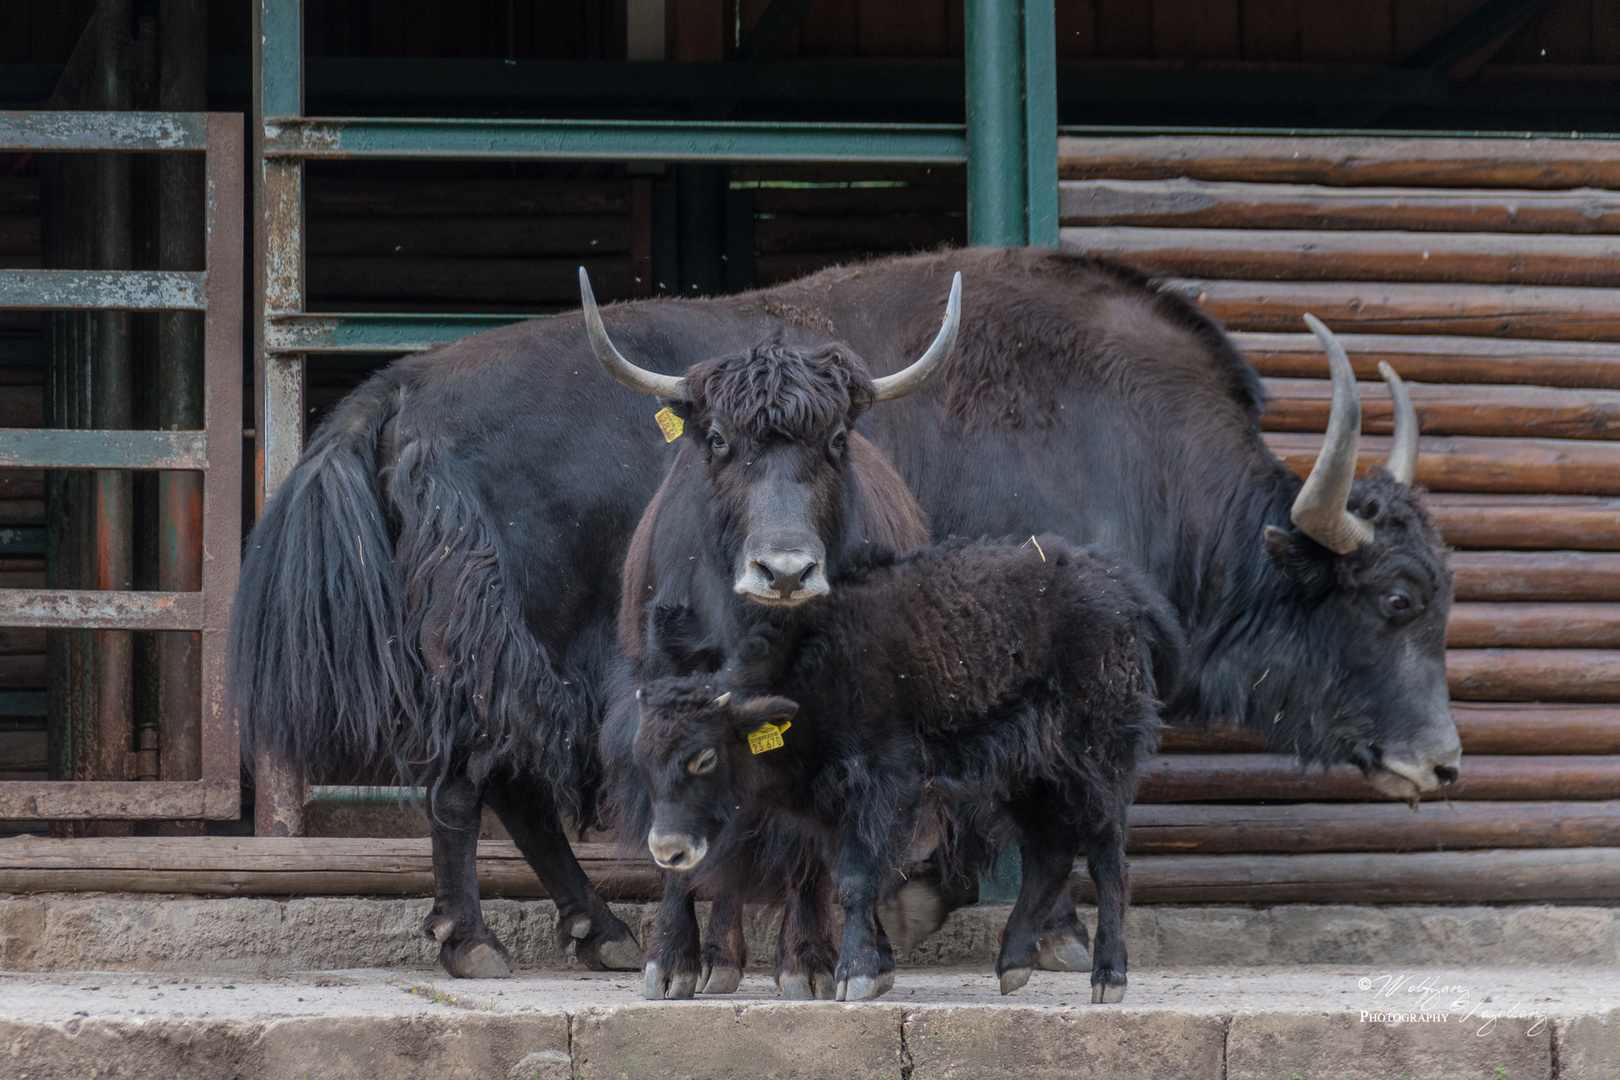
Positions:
(676, 851)
(1412, 771)
(782, 577)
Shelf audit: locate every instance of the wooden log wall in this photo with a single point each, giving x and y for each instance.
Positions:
(1484, 271)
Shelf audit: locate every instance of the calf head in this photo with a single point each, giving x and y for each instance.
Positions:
(693, 749)
(764, 473)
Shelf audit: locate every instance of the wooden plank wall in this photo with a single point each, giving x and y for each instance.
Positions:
(1485, 272)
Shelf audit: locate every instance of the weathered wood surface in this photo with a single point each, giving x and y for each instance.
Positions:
(1546, 312)
(1440, 359)
(1344, 161)
(1301, 405)
(1485, 728)
(1527, 522)
(1534, 626)
(90, 800)
(402, 237)
(1303, 255)
(1534, 674)
(1171, 778)
(473, 280)
(1580, 576)
(493, 196)
(1181, 829)
(1197, 204)
(807, 234)
(1484, 465)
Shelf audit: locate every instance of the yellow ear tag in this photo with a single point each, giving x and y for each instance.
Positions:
(671, 425)
(767, 737)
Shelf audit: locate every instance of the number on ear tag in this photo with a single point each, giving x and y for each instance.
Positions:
(767, 737)
(670, 424)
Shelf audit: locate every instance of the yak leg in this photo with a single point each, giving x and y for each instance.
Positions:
(1049, 847)
(1105, 859)
(865, 959)
(1064, 944)
(725, 949)
(601, 941)
(467, 948)
(804, 952)
(674, 955)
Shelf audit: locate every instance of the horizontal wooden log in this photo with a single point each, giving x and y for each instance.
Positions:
(1531, 466)
(1504, 411)
(94, 800)
(1527, 522)
(485, 281)
(1441, 359)
(1302, 255)
(1533, 674)
(1197, 204)
(789, 234)
(23, 751)
(1546, 312)
(1180, 829)
(1534, 626)
(22, 671)
(268, 866)
(1171, 778)
(1576, 576)
(492, 196)
(860, 201)
(1344, 160)
(1430, 877)
(1488, 728)
(490, 237)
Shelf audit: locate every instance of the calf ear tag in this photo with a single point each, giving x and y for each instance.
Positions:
(767, 737)
(669, 423)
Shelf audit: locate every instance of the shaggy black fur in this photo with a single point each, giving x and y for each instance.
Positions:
(1023, 677)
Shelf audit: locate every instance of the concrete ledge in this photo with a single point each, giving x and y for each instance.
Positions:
(1315, 1022)
(243, 936)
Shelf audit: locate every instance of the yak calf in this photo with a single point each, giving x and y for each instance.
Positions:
(931, 684)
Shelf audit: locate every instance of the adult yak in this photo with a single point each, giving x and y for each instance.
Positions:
(436, 583)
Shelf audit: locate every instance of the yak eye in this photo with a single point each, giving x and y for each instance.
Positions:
(703, 762)
(1398, 602)
(717, 442)
(839, 440)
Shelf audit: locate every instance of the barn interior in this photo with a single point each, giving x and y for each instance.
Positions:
(1434, 178)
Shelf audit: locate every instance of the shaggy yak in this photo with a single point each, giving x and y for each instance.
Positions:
(953, 677)
(436, 585)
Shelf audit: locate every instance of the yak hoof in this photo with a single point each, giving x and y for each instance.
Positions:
(1107, 995)
(885, 982)
(619, 954)
(911, 914)
(441, 929)
(826, 988)
(1062, 952)
(796, 987)
(861, 988)
(658, 985)
(482, 961)
(722, 979)
(1014, 979)
(581, 928)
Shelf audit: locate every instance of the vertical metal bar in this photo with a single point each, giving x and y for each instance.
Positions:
(278, 211)
(182, 232)
(1040, 122)
(995, 124)
(222, 418)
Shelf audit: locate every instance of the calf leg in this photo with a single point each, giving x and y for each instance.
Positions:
(467, 948)
(725, 950)
(865, 960)
(674, 955)
(1064, 944)
(1105, 859)
(601, 941)
(1051, 841)
(804, 951)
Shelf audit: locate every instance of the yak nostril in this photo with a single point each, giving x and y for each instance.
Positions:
(675, 858)
(786, 578)
(1446, 774)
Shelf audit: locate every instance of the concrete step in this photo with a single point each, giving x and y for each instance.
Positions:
(270, 936)
(1177, 1023)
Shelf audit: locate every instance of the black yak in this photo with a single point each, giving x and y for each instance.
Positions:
(437, 582)
(953, 677)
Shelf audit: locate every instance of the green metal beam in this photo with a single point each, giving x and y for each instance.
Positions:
(63, 448)
(338, 334)
(1040, 123)
(995, 124)
(125, 131)
(103, 290)
(611, 140)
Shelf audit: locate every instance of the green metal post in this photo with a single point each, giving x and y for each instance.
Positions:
(995, 123)
(1040, 122)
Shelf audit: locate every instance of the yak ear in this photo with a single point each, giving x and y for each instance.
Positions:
(1298, 557)
(766, 709)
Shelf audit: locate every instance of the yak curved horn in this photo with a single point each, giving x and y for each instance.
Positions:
(1403, 449)
(721, 701)
(916, 376)
(613, 361)
(1321, 510)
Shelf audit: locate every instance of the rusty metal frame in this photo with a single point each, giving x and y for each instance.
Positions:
(215, 451)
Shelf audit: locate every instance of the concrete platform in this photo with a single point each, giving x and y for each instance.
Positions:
(1310, 1022)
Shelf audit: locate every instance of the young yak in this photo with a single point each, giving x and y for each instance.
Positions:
(1025, 678)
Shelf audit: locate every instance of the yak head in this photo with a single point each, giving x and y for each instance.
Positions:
(694, 747)
(765, 470)
(1365, 572)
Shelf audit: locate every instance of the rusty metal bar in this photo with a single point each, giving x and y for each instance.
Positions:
(102, 609)
(133, 132)
(92, 800)
(102, 290)
(59, 448)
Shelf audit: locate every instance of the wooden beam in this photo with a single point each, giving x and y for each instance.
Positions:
(1578, 576)
(1534, 674)
(1172, 778)
(1528, 466)
(1302, 405)
(1488, 22)
(1486, 728)
(1533, 522)
(1434, 359)
(1534, 626)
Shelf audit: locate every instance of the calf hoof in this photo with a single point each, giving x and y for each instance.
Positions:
(1014, 979)
(911, 914)
(1107, 995)
(1062, 952)
(474, 960)
(660, 984)
(721, 979)
(614, 948)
